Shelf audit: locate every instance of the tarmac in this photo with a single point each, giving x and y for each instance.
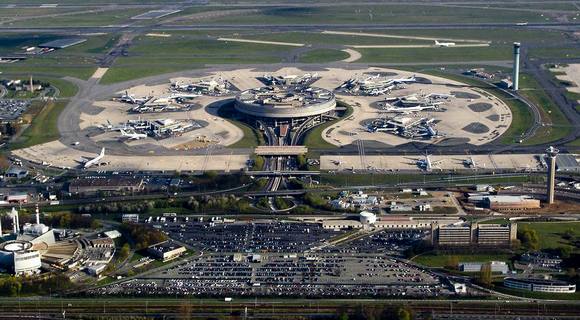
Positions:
(439, 162)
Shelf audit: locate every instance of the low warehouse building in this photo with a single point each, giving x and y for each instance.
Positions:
(105, 183)
(510, 203)
(166, 250)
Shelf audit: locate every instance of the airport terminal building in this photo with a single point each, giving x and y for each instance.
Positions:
(285, 104)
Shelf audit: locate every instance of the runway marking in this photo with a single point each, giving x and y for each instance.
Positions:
(353, 55)
(394, 46)
(99, 73)
(290, 44)
(382, 35)
(162, 35)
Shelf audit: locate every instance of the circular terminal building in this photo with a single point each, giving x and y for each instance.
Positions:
(19, 257)
(285, 102)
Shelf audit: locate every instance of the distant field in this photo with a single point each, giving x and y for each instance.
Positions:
(377, 14)
(154, 55)
(438, 55)
(77, 61)
(105, 18)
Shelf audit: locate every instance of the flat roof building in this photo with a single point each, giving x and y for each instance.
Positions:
(62, 43)
(510, 203)
(105, 183)
(166, 250)
(492, 235)
(539, 285)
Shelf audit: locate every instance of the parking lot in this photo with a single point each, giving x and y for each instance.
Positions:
(330, 275)
(256, 236)
(12, 109)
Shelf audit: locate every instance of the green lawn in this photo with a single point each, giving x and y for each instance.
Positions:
(313, 138)
(451, 54)
(558, 125)
(371, 14)
(323, 55)
(44, 126)
(440, 260)
(252, 137)
(550, 233)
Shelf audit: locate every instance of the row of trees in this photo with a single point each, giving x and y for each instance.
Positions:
(15, 286)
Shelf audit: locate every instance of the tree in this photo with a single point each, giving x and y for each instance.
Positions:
(124, 252)
(404, 314)
(485, 274)
(529, 238)
(565, 251)
(452, 262)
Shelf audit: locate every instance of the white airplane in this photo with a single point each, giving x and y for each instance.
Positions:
(408, 110)
(110, 127)
(426, 164)
(521, 24)
(133, 135)
(129, 98)
(470, 163)
(444, 44)
(405, 80)
(95, 161)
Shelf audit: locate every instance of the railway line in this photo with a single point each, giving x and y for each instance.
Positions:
(57, 308)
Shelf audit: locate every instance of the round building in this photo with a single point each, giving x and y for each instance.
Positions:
(367, 217)
(282, 102)
(19, 257)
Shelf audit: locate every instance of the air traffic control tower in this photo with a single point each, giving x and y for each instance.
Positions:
(516, 66)
(551, 154)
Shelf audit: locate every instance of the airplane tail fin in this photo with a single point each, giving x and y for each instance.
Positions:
(102, 154)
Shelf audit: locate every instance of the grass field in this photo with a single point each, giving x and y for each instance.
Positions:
(102, 18)
(313, 138)
(440, 260)
(323, 55)
(442, 55)
(43, 127)
(558, 126)
(550, 233)
(252, 137)
(371, 14)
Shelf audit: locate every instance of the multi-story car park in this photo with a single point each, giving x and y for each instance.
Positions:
(540, 285)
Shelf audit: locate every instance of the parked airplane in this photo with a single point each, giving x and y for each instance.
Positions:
(426, 164)
(444, 44)
(133, 135)
(110, 127)
(129, 98)
(470, 163)
(95, 161)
